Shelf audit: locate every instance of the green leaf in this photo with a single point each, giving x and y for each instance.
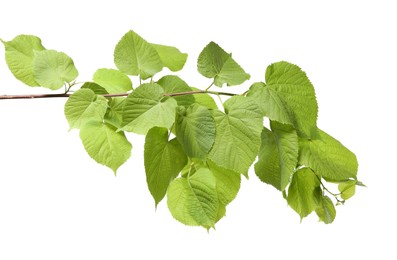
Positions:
(174, 84)
(146, 108)
(135, 56)
(214, 62)
(163, 161)
(238, 134)
(326, 210)
(114, 114)
(347, 189)
(52, 69)
(304, 192)
(85, 106)
(328, 157)
(19, 54)
(278, 155)
(195, 130)
(193, 200)
(105, 145)
(112, 80)
(171, 57)
(204, 100)
(95, 88)
(288, 97)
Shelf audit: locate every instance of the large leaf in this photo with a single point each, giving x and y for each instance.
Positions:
(171, 57)
(194, 200)
(328, 157)
(238, 134)
(146, 107)
(304, 192)
(174, 84)
(52, 69)
(195, 130)
(164, 160)
(105, 145)
(135, 56)
(19, 54)
(288, 97)
(214, 62)
(278, 155)
(85, 106)
(326, 210)
(112, 80)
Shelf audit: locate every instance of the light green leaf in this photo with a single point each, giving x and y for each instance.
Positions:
(174, 84)
(135, 56)
(163, 161)
(288, 97)
(214, 62)
(85, 106)
(19, 54)
(52, 69)
(238, 134)
(193, 200)
(112, 80)
(278, 155)
(95, 88)
(328, 157)
(347, 189)
(326, 210)
(304, 192)
(195, 130)
(146, 108)
(114, 114)
(204, 100)
(171, 57)
(105, 145)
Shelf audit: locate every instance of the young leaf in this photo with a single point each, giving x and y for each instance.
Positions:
(328, 157)
(114, 114)
(326, 210)
(105, 145)
(112, 80)
(171, 57)
(214, 62)
(146, 108)
(304, 192)
(174, 84)
(347, 189)
(85, 106)
(195, 130)
(204, 100)
(95, 88)
(135, 56)
(194, 200)
(238, 132)
(288, 97)
(278, 155)
(163, 161)
(19, 54)
(51, 69)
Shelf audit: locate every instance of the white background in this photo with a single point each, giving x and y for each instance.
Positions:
(57, 203)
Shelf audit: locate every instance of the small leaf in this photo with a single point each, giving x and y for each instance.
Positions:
(238, 133)
(278, 155)
(204, 100)
(195, 130)
(105, 145)
(193, 201)
(304, 192)
(163, 161)
(52, 69)
(174, 84)
(114, 114)
(328, 157)
(347, 189)
(112, 80)
(326, 210)
(135, 56)
(85, 106)
(95, 88)
(214, 62)
(146, 108)
(171, 57)
(19, 54)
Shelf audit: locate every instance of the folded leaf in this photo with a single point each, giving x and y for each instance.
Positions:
(171, 57)
(326, 210)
